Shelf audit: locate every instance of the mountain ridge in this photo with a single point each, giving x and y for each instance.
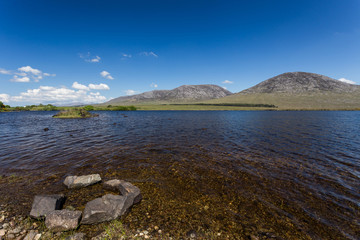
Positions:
(184, 93)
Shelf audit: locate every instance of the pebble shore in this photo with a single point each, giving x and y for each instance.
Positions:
(25, 228)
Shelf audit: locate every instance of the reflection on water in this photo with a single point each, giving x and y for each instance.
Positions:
(272, 174)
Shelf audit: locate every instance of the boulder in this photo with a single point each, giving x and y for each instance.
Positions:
(106, 208)
(81, 181)
(125, 188)
(44, 204)
(62, 220)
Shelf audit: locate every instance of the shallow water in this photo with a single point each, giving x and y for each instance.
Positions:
(271, 174)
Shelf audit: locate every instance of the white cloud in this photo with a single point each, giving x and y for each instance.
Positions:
(100, 86)
(149, 54)
(62, 95)
(153, 85)
(20, 79)
(26, 74)
(29, 69)
(107, 75)
(3, 71)
(346, 81)
(130, 92)
(79, 86)
(224, 88)
(47, 88)
(227, 82)
(89, 58)
(4, 97)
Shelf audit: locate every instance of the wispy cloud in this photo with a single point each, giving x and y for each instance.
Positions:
(90, 58)
(62, 95)
(20, 79)
(4, 97)
(125, 56)
(227, 82)
(346, 81)
(149, 54)
(130, 92)
(107, 75)
(3, 71)
(153, 85)
(95, 60)
(26, 74)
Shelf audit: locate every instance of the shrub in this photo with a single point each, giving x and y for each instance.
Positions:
(74, 113)
(89, 108)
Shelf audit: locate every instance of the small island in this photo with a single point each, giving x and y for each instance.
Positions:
(75, 113)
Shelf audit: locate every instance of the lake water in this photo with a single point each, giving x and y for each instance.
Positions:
(268, 174)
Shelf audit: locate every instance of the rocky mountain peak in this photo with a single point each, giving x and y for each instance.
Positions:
(301, 82)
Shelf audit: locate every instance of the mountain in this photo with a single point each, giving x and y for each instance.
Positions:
(299, 90)
(301, 82)
(185, 93)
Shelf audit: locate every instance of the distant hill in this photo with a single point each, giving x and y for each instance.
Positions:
(185, 93)
(301, 82)
(299, 90)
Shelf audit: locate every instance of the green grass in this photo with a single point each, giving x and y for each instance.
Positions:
(73, 113)
(265, 101)
(115, 229)
(196, 107)
(310, 101)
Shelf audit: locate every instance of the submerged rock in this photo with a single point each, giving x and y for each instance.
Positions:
(106, 208)
(76, 236)
(44, 204)
(62, 220)
(125, 188)
(32, 235)
(82, 181)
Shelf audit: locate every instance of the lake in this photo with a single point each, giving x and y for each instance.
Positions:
(268, 174)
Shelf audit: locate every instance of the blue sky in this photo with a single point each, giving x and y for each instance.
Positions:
(65, 52)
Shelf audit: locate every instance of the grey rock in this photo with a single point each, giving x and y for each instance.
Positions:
(185, 93)
(125, 188)
(112, 185)
(2, 232)
(106, 208)
(44, 204)
(38, 236)
(10, 236)
(31, 235)
(82, 181)
(76, 236)
(192, 234)
(15, 230)
(6, 225)
(62, 220)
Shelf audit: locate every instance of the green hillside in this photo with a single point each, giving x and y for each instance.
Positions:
(305, 101)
